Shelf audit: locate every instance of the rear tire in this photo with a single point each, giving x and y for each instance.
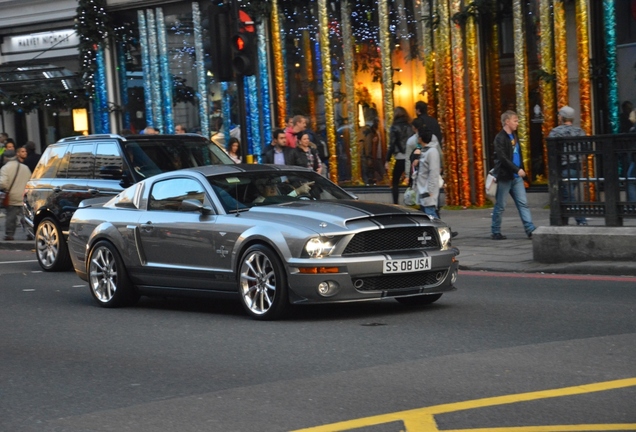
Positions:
(50, 246)
(419, 300)
(107, 277)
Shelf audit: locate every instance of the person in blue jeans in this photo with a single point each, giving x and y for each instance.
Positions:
(509, 172)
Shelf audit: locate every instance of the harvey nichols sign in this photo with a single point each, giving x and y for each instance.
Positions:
(53, 40)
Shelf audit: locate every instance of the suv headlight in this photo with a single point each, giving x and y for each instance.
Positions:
(444, 237)
(318, 247)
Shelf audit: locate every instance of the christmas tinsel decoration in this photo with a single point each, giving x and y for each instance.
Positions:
(92, 25)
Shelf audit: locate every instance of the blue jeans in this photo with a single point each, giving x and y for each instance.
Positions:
(429, 210)
(517, 190)
(569, 189)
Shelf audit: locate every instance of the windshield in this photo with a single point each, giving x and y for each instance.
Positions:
(151, 157)
(245, 190)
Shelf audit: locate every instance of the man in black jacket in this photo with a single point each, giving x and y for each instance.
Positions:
(509, 173)
(278, 152)
(421, 110)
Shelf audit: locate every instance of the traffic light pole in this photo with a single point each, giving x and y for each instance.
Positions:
(240, 87)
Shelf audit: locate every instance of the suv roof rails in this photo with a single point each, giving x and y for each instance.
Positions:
(84, 137)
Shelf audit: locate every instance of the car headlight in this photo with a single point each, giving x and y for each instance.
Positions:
(444, 237)
(318, 247)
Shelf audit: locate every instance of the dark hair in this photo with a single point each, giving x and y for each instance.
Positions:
(421, 106)
(300, 134)
(425, 133)
(29, 146)
(232, 141)
(400, 114)
(277, 132)
(417, 123)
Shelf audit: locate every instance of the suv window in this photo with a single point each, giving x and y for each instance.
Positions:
(107, 156)
(81, 162)
(49, 163)
(149, 158)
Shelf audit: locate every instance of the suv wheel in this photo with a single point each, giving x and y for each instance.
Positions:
(50, 246)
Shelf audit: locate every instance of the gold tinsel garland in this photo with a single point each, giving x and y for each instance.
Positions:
(459, 96)
(279, 66)
(446, 105)
(547, 84)
(521, 80)
(327, 83)
(387, 68)
(585, 85)
(560, 53)
(474, 91)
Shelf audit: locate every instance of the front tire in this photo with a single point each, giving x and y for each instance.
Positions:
(262, 283)
(107, 277)
(50, 246)
(419, 300)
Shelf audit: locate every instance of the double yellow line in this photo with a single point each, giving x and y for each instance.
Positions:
(423, 419)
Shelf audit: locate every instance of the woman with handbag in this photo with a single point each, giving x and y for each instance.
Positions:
(13, 179)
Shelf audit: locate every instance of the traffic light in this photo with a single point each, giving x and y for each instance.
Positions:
(216, 41)
(243, 54)
(244, 47)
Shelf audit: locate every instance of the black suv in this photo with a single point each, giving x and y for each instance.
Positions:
(77, 168)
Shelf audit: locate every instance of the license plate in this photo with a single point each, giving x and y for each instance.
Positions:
(406, 265)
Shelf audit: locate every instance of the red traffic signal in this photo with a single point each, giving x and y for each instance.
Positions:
(244, 55)
(239, 43)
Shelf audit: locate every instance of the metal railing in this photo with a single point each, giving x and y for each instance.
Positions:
(592, 176)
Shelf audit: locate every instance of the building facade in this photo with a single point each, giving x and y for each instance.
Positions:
(336, 62)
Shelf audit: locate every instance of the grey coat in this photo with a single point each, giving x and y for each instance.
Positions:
(427, 178)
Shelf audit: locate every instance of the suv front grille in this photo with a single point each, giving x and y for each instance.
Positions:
(392, 239)
(400, 282)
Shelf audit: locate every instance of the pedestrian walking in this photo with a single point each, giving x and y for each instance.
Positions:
(509, 172)
(13, 179)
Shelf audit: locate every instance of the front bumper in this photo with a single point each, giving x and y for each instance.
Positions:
(361, 278)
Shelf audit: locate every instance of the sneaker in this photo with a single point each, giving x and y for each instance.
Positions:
(498, 236)
(454, 234)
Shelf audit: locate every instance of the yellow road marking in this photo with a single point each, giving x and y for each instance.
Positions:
(423, 419)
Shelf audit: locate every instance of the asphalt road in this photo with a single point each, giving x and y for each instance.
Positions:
(484, 356)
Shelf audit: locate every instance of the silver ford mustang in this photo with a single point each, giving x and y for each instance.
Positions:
(273, 235)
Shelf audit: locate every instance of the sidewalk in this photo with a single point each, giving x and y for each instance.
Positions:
(477, 251)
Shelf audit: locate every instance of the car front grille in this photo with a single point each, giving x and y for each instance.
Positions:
(400, 282)
(392, 239)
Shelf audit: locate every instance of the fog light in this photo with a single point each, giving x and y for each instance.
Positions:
(454, 277)
(328, 288)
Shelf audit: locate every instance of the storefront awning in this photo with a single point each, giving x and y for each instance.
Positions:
(46, 78)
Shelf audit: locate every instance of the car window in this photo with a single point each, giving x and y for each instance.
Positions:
(239, 191)
(50, 163)
(167, 195)
(107, 156)
(151, 157)
(81, 161)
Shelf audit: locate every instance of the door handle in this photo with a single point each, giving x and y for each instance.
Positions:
(93, 191)
(57, 189)
(147, 227)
